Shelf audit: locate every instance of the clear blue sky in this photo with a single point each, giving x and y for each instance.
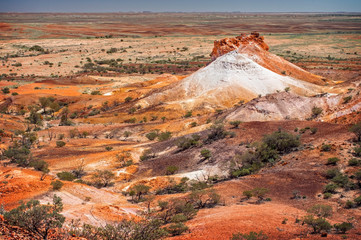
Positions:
(181, 6)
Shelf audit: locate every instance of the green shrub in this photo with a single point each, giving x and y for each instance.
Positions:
(327, 195)
(330, 188)
(331, 173)
(57, 185)
(171, 170)
(96, 93)
(249, 236)
(281, 141)
(176, 229)
(60, 144)
(66, 176)
(317, 224)
(205, 153)
(354, 162)
(235, 124)
(40, 165)
(343, 227)
(248, 194)
(357, 151)
(316, 111)
(356, 129)
(108, 148)
(37, 219)
(326, 148)
(358, 200)
(5, 90)
(332, 161)
(313, 130)
(186, 143)
(128, 99)
(163, 136)
(188, 114)
(152, 135)
(347, 99)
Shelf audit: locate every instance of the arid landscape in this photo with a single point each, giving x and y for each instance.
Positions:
(181, 125)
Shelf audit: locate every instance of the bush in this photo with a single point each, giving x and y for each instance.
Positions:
(357, 151)
(358, 200)
(188, 114)
(331, 173)
(343, 227)
(60, 144)
(96, 93)
(177, 229)
(316, 111)
(163, 136)
(217, 132)
(128, 99)
(37, 219)
(147, 154)
(317, 224)
(281, 141)
(152, 135)
(205, 153)
(57, 185)
(40, 165)
(102, 178)
(321, 210)
(330, 188)
(139, 190)
(248, 194)
(186, 143)
(171, 170)
(313, 130)
(354, 162)
(326, 148)
(108, 148)
(356, 129)
(249, 236)
(66, 176)
(36, 48)
(327, 195)
(5, 90)
(332, 161)
(235, 124)
(347, 99)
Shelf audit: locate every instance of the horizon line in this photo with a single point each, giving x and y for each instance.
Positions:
(322, 12)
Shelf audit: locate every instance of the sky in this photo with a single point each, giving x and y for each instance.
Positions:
(180, 6)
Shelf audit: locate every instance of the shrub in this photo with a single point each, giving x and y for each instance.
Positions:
(163, 136)
(249, 236)
(5, 90)
(356, 129)
(281, 141)
(343, 227)
(102, 178)
(177, 229)
(14, 93)
(60, 144)
(188, 114)
(152, 135)
(317, 224)
(332, 161)
(357, 151)
(353, 162)
(217, 132)
(57, 185)
(36, 48)
(205, 153)
(347, 99)
(260, 193)
(331, 173)
(325, 147)
(66, 176)
(147, 154)
(96, 93)
(341, 180)
(358, 200)
(186, 143)
(108, 148)
(316, 111)
(248, 194)
(321, 210)
(327, 195)
(330, 188)
(171, 170)
(235, 124)
(139, 190)
(349, 204)
(128, 99)
(204, 198)
(37, 219)
(313, 130)
(40, 165)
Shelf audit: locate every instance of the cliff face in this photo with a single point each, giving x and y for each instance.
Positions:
(227, 45)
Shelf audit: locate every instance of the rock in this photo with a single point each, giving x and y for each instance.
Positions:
(227, 45)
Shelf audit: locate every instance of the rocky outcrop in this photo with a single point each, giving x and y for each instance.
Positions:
(227, 45)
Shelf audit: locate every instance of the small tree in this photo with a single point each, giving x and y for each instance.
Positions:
(235, 124)
(36, 218)
(356, 129)
(57, 185)
(140, 190)
(102, 178)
